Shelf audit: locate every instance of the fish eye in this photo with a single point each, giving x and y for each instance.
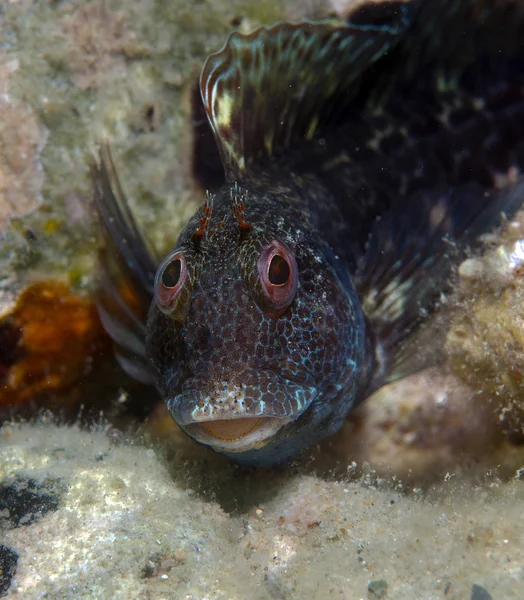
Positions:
(171, 274)
(169, 281)
(278, 272)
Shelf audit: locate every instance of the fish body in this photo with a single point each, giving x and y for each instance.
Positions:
(267, 365)
(361, 160)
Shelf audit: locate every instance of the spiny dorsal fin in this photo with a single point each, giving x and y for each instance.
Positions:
(279, 85)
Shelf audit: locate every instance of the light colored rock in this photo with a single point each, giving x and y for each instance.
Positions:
(129, 527)
(22, 138)
(418, 429)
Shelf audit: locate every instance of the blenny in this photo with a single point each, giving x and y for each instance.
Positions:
(361, 160)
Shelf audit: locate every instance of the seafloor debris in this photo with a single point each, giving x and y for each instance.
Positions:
(22, 138)
(47, 342)
(486, 339)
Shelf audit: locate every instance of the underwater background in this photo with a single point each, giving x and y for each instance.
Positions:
(101, 495)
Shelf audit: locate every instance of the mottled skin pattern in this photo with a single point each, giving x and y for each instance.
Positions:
(313, 353)
(423, 153)
(321, 344)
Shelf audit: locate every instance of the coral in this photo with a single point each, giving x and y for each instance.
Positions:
(22, 137)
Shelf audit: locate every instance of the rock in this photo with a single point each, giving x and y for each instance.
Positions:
(485, 341)
(377, 589)
(136, 526)
(479, 593)
(22, 139)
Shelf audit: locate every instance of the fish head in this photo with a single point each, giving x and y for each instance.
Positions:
(251, 328)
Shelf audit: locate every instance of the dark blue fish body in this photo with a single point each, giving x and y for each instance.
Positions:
(361, 160)
(250, 362)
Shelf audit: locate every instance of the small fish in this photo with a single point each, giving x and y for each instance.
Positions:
(361, 160)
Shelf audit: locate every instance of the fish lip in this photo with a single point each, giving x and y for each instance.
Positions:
(264, 428)
(225, 400)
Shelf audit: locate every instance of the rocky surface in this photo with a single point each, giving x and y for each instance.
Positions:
(485, 341)
(125, 524)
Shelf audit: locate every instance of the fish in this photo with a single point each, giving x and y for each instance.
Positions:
(362, 160)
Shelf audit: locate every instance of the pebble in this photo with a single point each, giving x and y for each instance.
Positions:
(479, 593)
(377, 589)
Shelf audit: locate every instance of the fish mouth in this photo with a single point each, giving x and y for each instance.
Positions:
(239, 414)
(236, 435)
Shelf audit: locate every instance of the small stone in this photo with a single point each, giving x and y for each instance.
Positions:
(471, 268)
(377, 589)
(8, 563)
(115, 436)
(479, 593)
(22, 138)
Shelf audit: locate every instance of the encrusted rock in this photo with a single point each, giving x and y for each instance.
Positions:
(98, 43)
(485, 341)
(22, 137)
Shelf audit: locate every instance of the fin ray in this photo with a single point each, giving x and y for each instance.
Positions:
(411, 253)
(126, 270)
(277, 86)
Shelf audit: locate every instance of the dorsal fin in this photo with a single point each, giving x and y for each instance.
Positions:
(279, 85)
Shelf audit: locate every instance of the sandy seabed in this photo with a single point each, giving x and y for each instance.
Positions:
(114, 521)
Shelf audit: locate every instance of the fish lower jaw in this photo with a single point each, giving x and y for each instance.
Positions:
(236, 434)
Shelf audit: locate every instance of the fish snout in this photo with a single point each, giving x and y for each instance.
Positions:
(240, 413)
